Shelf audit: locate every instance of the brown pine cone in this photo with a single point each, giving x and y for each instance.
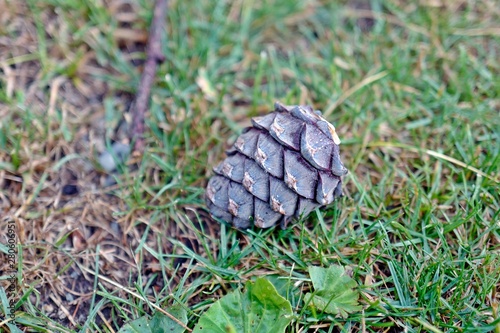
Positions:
(284, 166)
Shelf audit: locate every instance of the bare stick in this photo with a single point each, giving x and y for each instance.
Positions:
(154, 57)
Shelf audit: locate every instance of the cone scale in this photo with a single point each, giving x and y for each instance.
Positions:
(284, 166)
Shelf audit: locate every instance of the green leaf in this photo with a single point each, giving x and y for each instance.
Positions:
(259, 309)
(282, 284)
(140, 325)
(161, 323)
(333, 290)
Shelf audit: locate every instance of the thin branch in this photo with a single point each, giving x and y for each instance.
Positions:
(154, 56)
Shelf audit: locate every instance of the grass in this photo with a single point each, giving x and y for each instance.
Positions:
(412, 88)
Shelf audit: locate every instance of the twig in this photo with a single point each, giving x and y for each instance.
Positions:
(154, 57)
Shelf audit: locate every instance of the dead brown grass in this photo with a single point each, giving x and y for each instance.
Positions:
(59, 231)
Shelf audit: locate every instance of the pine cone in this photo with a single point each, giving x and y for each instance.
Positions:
(284, 166)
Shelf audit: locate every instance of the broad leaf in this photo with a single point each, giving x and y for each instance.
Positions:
(283, 285)
(260, 309)
(140, 325)
(333, 290)
(160, 323)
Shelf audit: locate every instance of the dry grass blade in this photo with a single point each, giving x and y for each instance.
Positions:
(436, 155)
(364, 13)
(366, 81)
(119, 286)
(479, 32)
(427, 325)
